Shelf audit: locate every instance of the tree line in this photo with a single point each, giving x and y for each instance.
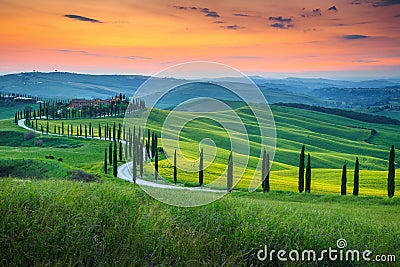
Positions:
(62, 110)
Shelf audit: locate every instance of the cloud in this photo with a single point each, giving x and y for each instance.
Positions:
(365, 60)
(397, 16)
(232, 27)
(377, 3)
(212, 14)
(86, 53)
(81, 18)
(311, 13)
(209, 13)
(355, 37)
(333, 9)
(240, 15)
(281, 22)
(185, 7)
(386, 3)
(205, 10)
(218, 22)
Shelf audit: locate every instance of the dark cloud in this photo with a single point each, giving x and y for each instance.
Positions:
(355, 37)
(218, 22)
(333, 9)
(281, 22)
(311, 13)
(365, 60)
(86, 53)
(240, 15)
(205, 10)
(81, 18)
(397, 16)
(212, 14)
(377, 3)
(232, 27)
(386, 3)
(185, 7)
(280, 19)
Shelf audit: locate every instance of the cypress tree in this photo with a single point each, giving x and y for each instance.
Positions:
(156, 165)
(47, 127)
(175, 170)
(99, 131)
(308, 175)
(80, 129)
(265, 172)
(120, 151)
(391, 173)
(110, 154)
(85, 131)
(77, 130)
(105, 160)
(15, 118)
(301, 170)
(115, 166)
(114, 131)
(344, 181)
(201, 171)
(62, 128)
(141, 158)
(134, 166)
(229, 182)
(356, 178)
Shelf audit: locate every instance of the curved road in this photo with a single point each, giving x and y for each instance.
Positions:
(124, 173)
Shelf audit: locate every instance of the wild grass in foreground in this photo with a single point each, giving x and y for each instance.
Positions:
(60, 222)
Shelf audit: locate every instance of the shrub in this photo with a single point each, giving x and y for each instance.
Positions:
(60, 159)
(81, 176)
(49, 157)
(29, 135)
(38, 142)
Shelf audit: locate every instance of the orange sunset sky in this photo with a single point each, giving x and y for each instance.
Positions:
(306, 38)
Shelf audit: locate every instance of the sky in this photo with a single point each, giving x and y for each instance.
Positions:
(310, 38)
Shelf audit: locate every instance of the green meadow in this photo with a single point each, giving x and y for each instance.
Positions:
(50, 218)
(331, 140)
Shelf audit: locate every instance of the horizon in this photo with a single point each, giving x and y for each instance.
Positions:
(267, 76)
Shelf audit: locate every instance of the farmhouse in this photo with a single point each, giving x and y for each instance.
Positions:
(80, 103)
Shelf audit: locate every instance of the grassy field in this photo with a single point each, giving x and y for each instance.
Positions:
(331, 140)
(62, 222)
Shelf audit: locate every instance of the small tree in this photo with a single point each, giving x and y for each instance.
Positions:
(229, 182)
(308, 175)
(391, 173)
(120, 151)
(201, 171)
(356, 178)
(134, 166)
(301, 169)
(110, 154)
(115, 166)
(156, 165)
(141, 158)
(265, 172)
(344, 181)
(105, 161)
(175, 170)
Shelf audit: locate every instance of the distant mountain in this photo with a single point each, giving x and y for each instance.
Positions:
(72, 85)
(320, 91)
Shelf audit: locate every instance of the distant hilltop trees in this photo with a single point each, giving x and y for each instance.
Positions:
(82, 108)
